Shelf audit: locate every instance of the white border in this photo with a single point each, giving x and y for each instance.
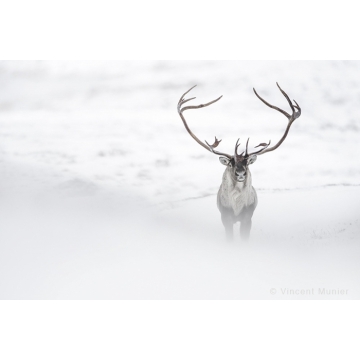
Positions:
(179, 330)
(195, 30)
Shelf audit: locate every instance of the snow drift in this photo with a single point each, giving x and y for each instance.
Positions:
(103, 194)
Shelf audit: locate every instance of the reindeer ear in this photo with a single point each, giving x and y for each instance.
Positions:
(224, 160)
(251, 159)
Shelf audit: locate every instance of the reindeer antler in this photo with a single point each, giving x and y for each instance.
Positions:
(296, 112)
(181, 109)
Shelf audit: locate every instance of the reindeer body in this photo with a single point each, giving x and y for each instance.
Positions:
(236, 201)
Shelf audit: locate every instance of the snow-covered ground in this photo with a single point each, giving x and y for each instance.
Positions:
(104, 195)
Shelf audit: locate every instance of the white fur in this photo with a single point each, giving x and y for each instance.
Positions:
(236, 195)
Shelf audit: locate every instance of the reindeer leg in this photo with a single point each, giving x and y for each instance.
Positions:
(245, 225)
(226, 218)
(245, 228)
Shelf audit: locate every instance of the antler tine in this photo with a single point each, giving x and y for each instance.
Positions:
(185, 101)
(246, 149)
(208, 147)
(297, 105)
(272, 106)
(265, 146)
(236, 147)
(214, 145)
(296, 112)
(286, 96)
(182, 97)
(198, 106)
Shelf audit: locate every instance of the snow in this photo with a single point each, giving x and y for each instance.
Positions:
(104, 195)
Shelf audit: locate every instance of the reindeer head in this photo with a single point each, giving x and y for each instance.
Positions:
(239, 163)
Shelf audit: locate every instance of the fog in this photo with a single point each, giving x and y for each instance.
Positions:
(104, 195)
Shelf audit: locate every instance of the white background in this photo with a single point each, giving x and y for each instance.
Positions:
(189, 30)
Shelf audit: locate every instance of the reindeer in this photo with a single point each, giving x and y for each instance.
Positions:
(237, 198)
